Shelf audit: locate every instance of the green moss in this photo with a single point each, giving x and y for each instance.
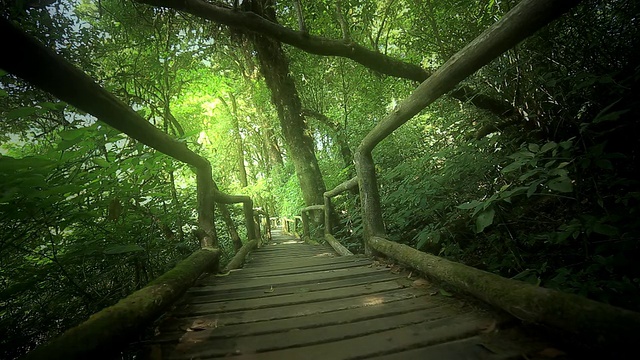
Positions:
(105, 332)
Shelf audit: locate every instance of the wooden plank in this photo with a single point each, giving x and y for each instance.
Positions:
(290, 303)
(214, 294)
(230, 284)
(200, 306)
(394, 340)
(299, 264)
(195, 345)
(496, 345)
(468, 349)
(292, 311)
(343, 316)
(256, 273)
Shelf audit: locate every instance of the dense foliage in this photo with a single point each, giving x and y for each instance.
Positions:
(547, 193)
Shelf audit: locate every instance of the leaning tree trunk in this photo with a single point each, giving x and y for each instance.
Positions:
(242, 171)
(274, 66)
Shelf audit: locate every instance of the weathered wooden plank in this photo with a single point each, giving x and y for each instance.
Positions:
(214, 294)
(201, 305)
(291, 311)
(310, 307)
(229, 283)
(256, 273)
(414, 335)
(468, 349)
(343, 316)
(263, 268)
(195, 345)
(500, 344)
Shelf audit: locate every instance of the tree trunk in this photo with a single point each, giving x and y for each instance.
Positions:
(242, 171)
(339, 135)
(274, 66)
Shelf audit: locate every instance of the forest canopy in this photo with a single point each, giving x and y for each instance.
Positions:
(525, 169)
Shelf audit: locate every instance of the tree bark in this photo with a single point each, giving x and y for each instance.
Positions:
(242, 171)
(596, 323)
(238, 260)
(338, 135)
(376, 61)
(274, 66)
(335, 244)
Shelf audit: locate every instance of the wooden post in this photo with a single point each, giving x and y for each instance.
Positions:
(327, 216)
(296, 220)
(305, 225)
(268, 224)
(518, 24)
(370, 198)
(206, 207)
(256, 224)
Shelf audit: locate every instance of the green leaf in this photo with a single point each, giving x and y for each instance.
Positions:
(484, 219)
(20, 112)
(423, 237)
(101, 162)
(534, 148)
(511, 167)
(444, 292)
(548, 146)
(469, 205)
(604, 164)
(66, 144)
(8, 164)
(532, 188)
(529, 174)
(3, 93)
(72, 134)
(561, 184)
(605, 229)
(123, 249)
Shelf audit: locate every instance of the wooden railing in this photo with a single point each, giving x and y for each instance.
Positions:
(595, 323)
(114, 326)
(107, 330)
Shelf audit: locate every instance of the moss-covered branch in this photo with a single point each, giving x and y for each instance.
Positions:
(347, 185)
(593, 322)
(108, 331)
(238, 259)
(335, 244)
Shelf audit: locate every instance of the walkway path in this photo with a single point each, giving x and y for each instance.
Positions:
(297, 301)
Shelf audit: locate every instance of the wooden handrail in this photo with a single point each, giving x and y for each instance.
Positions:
(596, 322)
(107, 331)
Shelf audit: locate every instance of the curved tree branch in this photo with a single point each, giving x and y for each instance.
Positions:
(309, 43)
(317, 45)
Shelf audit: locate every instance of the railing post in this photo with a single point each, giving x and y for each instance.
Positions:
(247, 208)
(206, 206)
(256, 227)
(327, 215)
(369, 197)
(305, 225)
(267, 224)
(296, 221)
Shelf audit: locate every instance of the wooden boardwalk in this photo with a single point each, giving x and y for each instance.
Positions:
(298, 301)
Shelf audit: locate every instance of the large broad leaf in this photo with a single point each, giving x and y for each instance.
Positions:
(123, 249)
(9, 164)
(469, 205)
(20, 113)
(484, 219)
(561, 184)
